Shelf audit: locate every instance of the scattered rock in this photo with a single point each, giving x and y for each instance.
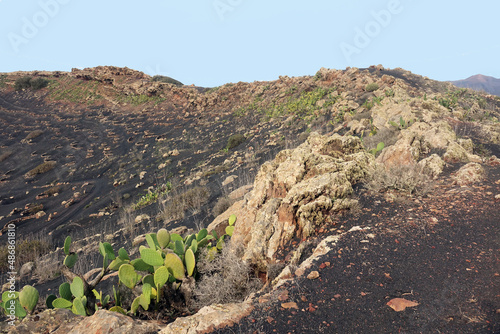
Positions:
(229, 179)
(313, 275)
(432, 165)
(142, 218)
(400, 304)
(470, 173)
(27, 269)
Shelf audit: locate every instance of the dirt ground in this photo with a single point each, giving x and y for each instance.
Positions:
(440, 251)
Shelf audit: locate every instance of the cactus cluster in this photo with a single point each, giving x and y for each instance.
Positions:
(167, 260)
(20, 303)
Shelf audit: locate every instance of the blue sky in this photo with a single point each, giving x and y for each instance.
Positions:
(212, 42)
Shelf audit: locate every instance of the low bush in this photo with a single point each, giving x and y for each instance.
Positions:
(29, 82)
(406, 179)
(222, 205)
(224, 279)
(372, 87)
(235, 140)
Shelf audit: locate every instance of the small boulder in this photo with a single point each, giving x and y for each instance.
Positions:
(470, 173)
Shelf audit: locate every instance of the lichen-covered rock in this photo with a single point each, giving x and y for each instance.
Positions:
(469, 173)
(295, 192)
(456, 153)
(432, 165)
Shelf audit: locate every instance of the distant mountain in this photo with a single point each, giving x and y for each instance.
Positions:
(480, 82)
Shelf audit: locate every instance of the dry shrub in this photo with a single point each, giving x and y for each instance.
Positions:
(222, 205)
(42, 168)
(173, 206)
(47, 267)
(407, 179)
(28, 250)
(388, 136)
(225, 279)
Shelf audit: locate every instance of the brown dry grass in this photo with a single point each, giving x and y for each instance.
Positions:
(42, 168)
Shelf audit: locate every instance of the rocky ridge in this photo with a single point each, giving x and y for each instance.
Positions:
(300, 190)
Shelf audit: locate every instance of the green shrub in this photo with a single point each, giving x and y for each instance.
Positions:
(165, 79)
(29, 82)
(39, 83)
(371, 87)
(22, 83)
(235, 140)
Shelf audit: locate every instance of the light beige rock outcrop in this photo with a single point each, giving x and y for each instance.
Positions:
(293, 194)
(210, 318)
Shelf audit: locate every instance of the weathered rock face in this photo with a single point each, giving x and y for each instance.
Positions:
(293, 193)
(210, 318)
(470, 173)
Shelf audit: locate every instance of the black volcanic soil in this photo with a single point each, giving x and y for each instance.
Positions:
(441, 251)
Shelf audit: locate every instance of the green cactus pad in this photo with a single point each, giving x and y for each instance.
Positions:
(106, 300)
(151, 257)
(174, 264)
(128, 276)
(118, 309)
(179, 247)
(70, 260)
(122, 254)
(148, 279)
(161, 277)
(144, 301)
(62, 303)
(116, 263)
(78, 307)
(49, 301)
(106, 248)
(65, 291)
(232, 220)
(201, 235)
(146, 291)
(163, 237)
(174, 237)
(19, 311)
(135, 305)
(77, 287)
(28, 297)
(194, 246)
(140, 265)
(152, 240)
(230, 230)
(67, 244)
(203, 242)
(190, 262)
(189, 239)
(9, 295)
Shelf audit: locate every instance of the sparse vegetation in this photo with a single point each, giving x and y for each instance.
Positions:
(29, 82)
(44, 167)
(74, 90)
(152, 196)
(371, 87)
(406, 179)
(174, 206)
(27, 250)
(222, 205)
(137, 100)
(224, 279)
